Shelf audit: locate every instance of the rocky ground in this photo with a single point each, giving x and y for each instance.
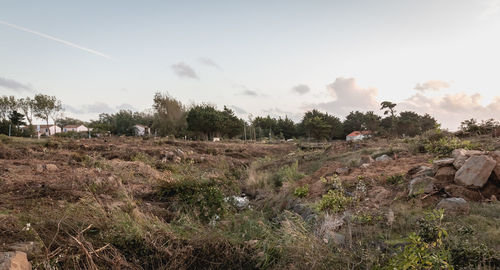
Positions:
(133, 203)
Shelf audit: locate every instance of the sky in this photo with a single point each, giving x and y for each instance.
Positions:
(273, 57)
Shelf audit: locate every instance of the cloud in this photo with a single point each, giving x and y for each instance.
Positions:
(451, 109)
(492, 8)
(301, 89)
(246, 91)
(209, 62)
(126, 106)
(183, 70)
(97, 107)
(349, 96)
(432, 85)
(65, 42)
(14, 85)
(238, 110)
(249, 92)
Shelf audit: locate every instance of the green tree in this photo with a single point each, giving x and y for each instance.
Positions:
(231, 125)
(27, 106)
(389, 108)
(169, 115)
(286, 128)
(16, 118)
(204, 120)
(46, 107)
(7, 105)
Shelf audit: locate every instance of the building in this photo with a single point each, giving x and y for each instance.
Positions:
(358, 135)
(141, 130)
(75, 128)
(47, 130)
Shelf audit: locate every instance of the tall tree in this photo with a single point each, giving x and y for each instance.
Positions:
(27, 106)
(389, 107)
(169, 115)
(46, 107)
(7, 105)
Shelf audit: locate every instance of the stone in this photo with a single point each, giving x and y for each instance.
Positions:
(454, 206)
(169, 155)
(461, 155)
(419, 169)
(30, 248)
(475, 171)
(379, 194)
(446, 174)
(421, 185)
(177, 159)
(460, 161)
(442, 163)
(343, 171)
(366, 160)
(51, 167)
(453, 190)
(241, 202)
(364, 166)
(383, 158)
(15, 260)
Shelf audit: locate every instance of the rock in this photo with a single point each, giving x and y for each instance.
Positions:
(180, 153)
(169, 155)
(475, 171)
(454, 205)
(177, 159)
(461, 155)
(379, 194)
(453, 190)
(441, 163)
(421, 185)
(51, 167)
(390, 217)
(420, 170)
(303, 210)
(446, 174)
(16, 260)
(30, 248)
(327, 229)
(383, 158)
(366, 160)
(364, 166)
(241, 202)
(460, 161)
(343, 171)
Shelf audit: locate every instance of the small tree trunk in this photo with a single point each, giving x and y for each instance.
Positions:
(47, 120)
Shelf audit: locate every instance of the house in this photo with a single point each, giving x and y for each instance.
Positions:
(47, 130)
(75, 128)
(141, 130)
(358, 135)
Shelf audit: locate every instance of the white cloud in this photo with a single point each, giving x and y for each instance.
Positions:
(14, 85)
(432, 85)
(301, 89)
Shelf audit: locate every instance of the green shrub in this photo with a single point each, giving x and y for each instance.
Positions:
(203, 197)
(446, 145)
(334, 200)
(301, 192)
(285, 174)
(395, 179)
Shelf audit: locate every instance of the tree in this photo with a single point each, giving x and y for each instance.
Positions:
(204, 119)
(7, 105)
(231, 125)
(46, 107)
(62, 122)
(389, 107)
(169, 115)
(409, 124)
(286, 128)
(354, 121)
(27, 106)
(16, 118)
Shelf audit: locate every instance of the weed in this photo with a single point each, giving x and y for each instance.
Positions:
(395, 179)
(301, 192)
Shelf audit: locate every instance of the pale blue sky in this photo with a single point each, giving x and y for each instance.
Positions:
(345, 55)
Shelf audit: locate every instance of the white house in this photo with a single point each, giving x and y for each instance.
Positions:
(75, 128)
(358, 135)
(44, 130)
(141, 130)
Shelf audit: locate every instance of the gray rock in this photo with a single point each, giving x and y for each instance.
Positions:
(475, 171)
(343, 171)
(383, 158)
(446, 174)
(454, 205)
(30, 248)
(364, 166)
(15, 260)
(442, 163)
(496, 170)
(303, 210)
(421, 185)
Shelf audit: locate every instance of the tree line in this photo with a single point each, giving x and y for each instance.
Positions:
(169, 117)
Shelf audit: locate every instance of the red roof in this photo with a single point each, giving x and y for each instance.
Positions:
(354, 134)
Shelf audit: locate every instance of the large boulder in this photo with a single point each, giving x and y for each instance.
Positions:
(16, 260)
(475, 171)
(420, 171)
(421, 185)
(461, 156)
(454, 206)
(445, 174)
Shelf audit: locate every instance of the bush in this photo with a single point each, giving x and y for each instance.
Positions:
(286, 173)
(395, 179)
(301, 192)
(203, 197)
(334, 200)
